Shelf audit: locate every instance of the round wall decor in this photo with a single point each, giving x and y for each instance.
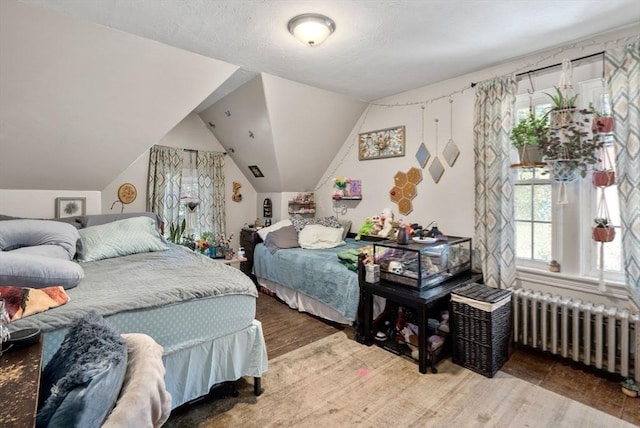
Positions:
(127, 193)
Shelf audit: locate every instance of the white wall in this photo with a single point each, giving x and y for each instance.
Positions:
(41, 203)
(191, 133)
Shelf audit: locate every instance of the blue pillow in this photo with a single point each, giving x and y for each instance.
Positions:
(81, 383)
(120, 238)
(20, 269)
(26, 233)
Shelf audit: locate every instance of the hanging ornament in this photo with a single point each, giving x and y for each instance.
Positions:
(436, 169)
(451, 151)
(423, 154)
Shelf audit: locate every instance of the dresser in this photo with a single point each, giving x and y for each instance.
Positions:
(249, 238)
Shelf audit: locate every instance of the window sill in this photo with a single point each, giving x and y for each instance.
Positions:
(571, 282)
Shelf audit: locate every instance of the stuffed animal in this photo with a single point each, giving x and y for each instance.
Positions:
(387, 223)
(365, 229)
(236, 197)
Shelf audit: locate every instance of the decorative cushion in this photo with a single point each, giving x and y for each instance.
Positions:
(26, 233)
(316, 236)
(26, 270)
(80, 384)
(119, 238)
(279, 225)
(285, 237)
(300, 222)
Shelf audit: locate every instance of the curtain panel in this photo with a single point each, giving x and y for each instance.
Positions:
(494, 241)
(163, 184)
(212, 211)
(622, 66)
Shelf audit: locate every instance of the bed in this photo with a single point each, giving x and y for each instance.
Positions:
(306, 277)
(199, 310)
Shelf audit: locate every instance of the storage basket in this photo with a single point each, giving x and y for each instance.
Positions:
(481, 327)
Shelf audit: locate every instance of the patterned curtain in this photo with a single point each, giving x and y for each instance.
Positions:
(163, 184)
(212, 212)
(494, 202)
(622, 66)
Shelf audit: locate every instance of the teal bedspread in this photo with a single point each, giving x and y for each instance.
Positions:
(317, 274)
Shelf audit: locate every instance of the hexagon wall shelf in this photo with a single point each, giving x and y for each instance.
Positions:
(404, 189)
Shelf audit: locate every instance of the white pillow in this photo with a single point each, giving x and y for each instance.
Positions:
(315, 236)
(279, 225)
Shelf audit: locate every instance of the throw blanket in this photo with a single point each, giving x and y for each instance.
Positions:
(21, 301)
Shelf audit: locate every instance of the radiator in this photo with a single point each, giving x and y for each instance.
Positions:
(598, 336)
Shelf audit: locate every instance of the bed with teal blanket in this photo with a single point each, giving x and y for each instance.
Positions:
(312, 280)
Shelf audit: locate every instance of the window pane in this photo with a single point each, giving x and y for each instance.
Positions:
(612, 253)
(542, 202)
(523, 202)
(542, 241)
(523, 240)
(524, 174)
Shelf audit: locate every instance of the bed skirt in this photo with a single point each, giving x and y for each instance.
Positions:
(192, 371)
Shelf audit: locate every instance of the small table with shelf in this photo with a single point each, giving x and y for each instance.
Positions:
(419, 300)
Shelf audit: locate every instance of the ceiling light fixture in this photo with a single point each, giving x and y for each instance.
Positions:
(311, 28)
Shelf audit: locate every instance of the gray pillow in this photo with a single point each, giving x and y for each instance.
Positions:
(26, 233)
(80, 384)
(99, 219)
(285, 237)
(120, 238)
(25, 270)
(55, 251)
(346, 225)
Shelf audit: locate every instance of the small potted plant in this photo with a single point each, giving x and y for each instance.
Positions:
(564, 107)
(603, 230)
(525, 135)
(602, 122)
(630, 388)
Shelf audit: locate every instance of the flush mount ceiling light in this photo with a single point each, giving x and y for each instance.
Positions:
(311, 28)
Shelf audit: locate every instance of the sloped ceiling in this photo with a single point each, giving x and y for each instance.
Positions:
(80, 102)
(289, 130)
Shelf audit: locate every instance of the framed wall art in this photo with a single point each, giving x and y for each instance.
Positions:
(69, 207)
(383, 143)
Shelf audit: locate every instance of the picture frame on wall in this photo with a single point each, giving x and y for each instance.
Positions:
(69, 207)
(382, 143)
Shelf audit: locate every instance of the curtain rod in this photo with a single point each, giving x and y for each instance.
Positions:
(536, 70)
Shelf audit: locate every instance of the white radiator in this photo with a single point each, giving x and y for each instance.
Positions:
(595, 335)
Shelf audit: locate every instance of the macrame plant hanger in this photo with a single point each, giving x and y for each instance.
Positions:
(603, 213)
(561, 173)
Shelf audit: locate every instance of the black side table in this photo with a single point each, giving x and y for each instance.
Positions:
(419, 300)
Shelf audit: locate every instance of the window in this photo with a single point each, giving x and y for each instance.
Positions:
(189, 196)
(548, 229)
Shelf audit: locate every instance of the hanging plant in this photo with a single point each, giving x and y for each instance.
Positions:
(603, 231)
(603, 122)
(572, 145)
(604, 175)
(525, 135)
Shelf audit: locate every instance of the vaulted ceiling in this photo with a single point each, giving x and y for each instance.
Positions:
(86, 87)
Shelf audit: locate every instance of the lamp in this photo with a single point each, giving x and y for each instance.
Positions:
(311, 28)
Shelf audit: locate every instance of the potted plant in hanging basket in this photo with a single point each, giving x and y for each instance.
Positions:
(603, 178)
(563, 108)
(603, 230)
(571, 149)
(525, 135)
(602, 122)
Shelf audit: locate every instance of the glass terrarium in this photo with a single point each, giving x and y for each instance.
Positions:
(423, 264)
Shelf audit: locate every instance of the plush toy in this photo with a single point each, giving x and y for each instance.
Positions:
(387, 223)
(365, 229)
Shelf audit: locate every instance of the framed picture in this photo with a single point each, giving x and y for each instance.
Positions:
(69, 207)
(383, 143)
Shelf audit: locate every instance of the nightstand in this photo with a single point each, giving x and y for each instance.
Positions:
(249, 238)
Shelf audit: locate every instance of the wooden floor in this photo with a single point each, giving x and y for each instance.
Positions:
(286, 329)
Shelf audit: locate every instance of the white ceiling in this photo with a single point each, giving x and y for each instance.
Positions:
(380, 47)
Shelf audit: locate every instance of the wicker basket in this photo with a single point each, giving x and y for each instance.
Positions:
(481, 327)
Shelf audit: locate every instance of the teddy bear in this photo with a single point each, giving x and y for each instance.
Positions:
(236, 197)
(387, 223)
